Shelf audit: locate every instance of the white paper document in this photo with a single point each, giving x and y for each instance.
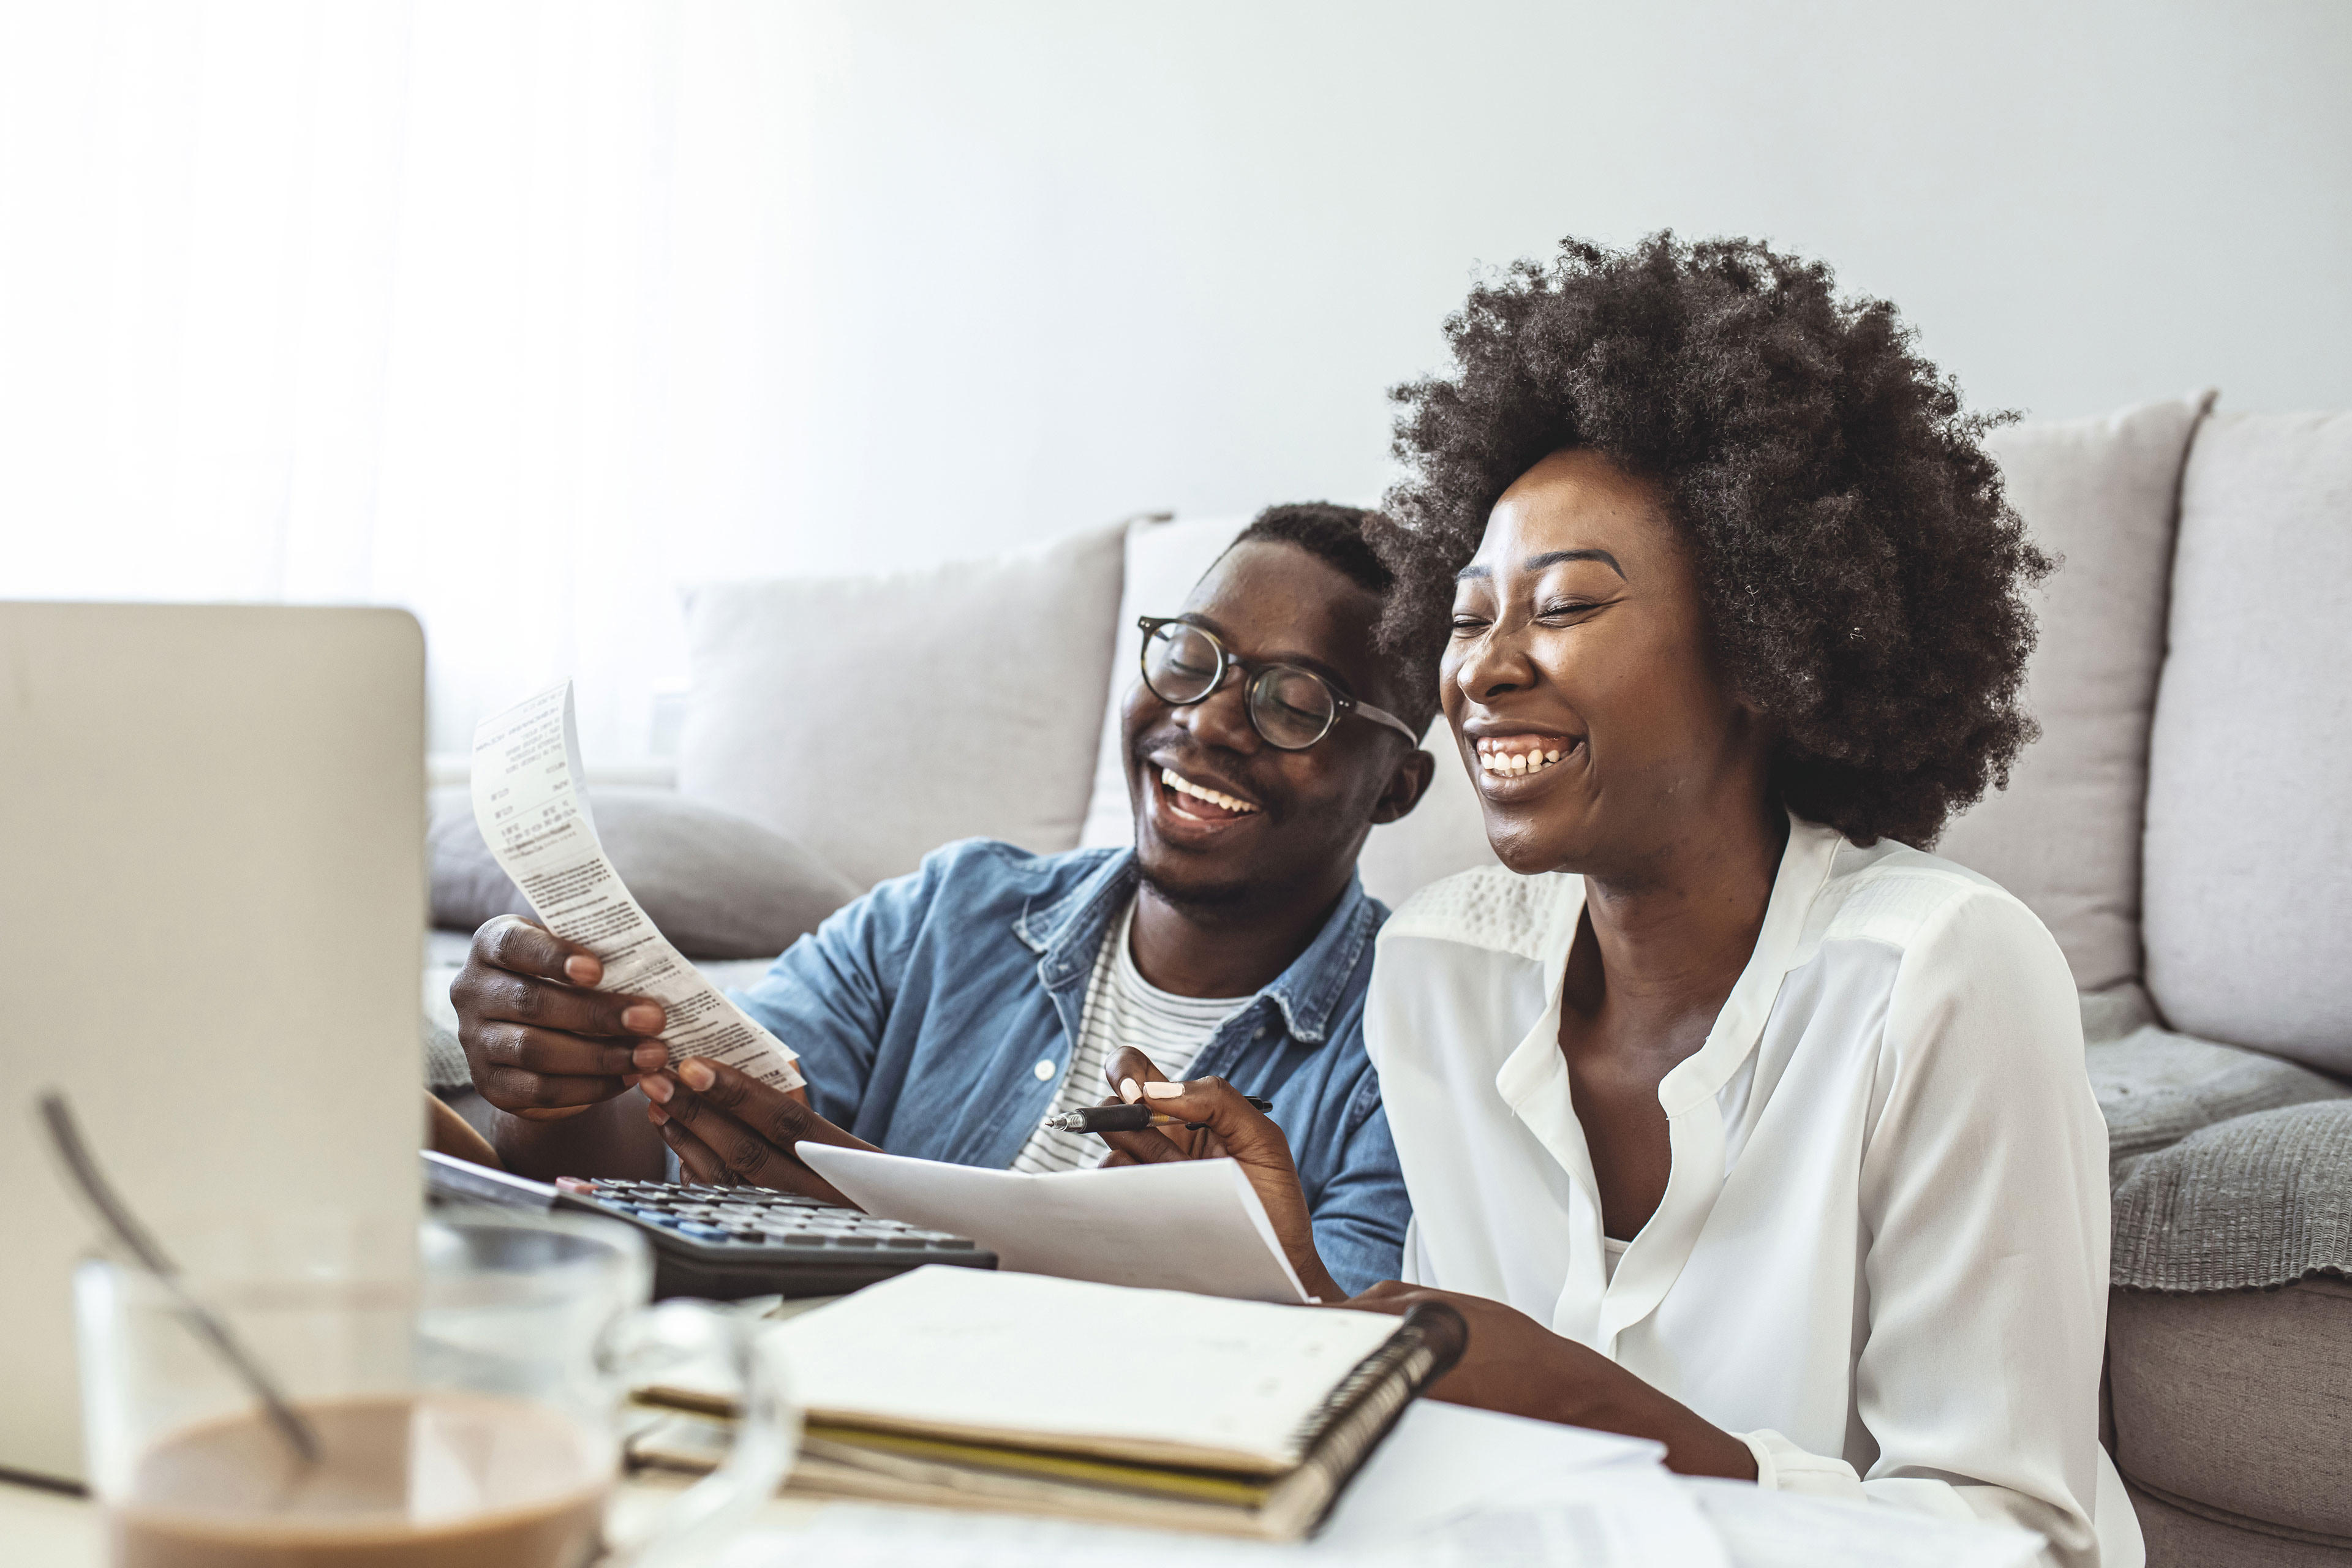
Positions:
(1789, 1530)
(1189, 1224)
(1450, 1487)
(529, 805)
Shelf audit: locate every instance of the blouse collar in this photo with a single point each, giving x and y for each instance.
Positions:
(1533, 1080)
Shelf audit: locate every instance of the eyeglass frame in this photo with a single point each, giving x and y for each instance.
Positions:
(1228, 662)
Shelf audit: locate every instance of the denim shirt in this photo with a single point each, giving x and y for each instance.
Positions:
(935, 1016)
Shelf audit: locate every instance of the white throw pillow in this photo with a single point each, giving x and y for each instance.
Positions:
(1445, 833)
(2250, 790)
(2065, 836)
(873, 719)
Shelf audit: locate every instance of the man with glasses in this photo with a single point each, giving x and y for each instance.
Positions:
(947, 1014)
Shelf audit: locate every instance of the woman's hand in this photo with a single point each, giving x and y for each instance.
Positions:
(1232, 1128)
(728, 1128)
(1518, 1366)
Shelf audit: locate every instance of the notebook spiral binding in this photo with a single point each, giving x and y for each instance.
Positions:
(1356, 1414)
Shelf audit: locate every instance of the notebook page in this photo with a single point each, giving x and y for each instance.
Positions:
(1184, 1225)
(529, 808)
(1027, 1359)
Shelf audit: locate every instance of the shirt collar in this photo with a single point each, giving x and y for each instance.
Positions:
(1068, 932)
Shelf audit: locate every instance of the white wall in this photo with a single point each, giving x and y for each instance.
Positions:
(1067, 259)
(523, 312)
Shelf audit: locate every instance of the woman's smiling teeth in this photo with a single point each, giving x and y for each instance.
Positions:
(1215, 797)
(1518, 754)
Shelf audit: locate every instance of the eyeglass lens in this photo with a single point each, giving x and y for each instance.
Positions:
(1292, 707)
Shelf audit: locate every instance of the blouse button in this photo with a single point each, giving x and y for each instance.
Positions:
(1044, 1070)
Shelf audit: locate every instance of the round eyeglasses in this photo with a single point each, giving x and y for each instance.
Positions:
(1290, 705)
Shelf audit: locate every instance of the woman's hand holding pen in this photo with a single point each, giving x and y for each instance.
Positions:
(1230, 1126)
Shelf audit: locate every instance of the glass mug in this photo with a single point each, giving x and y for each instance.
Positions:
(465, 1379)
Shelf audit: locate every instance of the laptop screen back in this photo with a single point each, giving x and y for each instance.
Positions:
(212, 907)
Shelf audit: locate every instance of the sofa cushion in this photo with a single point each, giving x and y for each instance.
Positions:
(2237, 1408)
(2065, 836)
(2253, 1203)
(2179, 1537)
(1445, 833)
(875, 719)
(2155, 1087)
(2249, 846)
(716, 885)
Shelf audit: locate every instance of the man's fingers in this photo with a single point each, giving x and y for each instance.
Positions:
(696, 1160)
(522, 1092)
(546, 1052)
(522, 999)
(782, 1118)
(510, 941)
(522, 973)
(745, 1154)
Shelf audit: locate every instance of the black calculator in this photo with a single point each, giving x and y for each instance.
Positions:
(726, 1243)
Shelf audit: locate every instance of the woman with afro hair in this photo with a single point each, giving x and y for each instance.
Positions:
(1731, 1117)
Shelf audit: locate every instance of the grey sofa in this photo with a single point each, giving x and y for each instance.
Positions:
(2185, 827)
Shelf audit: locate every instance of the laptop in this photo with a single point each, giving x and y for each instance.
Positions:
(211, 911)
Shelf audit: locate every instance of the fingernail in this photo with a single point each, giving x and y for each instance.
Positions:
(650, 1057)
(697, 1073)
(1129, 1090)
(1163, 1091)
(583, 969)
(657, 1115)
(642, 1019)
(657, 1088)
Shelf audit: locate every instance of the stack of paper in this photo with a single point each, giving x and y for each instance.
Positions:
(1020, 1392)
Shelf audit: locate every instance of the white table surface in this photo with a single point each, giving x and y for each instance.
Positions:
(42, 1529)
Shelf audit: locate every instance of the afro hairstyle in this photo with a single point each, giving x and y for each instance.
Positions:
(1863, 573)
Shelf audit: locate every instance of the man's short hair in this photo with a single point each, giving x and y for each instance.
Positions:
(1335, 535)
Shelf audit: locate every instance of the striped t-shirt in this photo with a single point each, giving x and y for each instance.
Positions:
(1122, 1009)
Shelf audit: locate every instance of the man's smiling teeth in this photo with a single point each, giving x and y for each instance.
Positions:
(1183, 785)
(1521, 753)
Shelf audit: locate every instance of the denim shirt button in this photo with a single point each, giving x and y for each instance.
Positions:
(1044, 1070)
(1263, 1031)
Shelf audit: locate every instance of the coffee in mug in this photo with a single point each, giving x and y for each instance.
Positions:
(461, 1380)
(429, 1480)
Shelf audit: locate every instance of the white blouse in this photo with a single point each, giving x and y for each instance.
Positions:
(1882, 1255)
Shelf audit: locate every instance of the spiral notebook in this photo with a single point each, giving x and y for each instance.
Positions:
(1032, 1394)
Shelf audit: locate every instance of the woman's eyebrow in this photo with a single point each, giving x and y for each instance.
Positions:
(1554, 557)
(1548, 558)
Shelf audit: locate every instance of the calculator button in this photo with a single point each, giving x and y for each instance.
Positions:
(695, 1228)
(906, 1241)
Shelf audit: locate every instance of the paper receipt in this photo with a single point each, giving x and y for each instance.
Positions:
(529, 805)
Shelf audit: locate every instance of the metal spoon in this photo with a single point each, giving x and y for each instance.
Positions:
(208, 1324)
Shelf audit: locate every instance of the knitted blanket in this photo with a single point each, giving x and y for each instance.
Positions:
(2253, 1203)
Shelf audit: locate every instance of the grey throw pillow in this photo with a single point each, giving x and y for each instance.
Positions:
(717, 885)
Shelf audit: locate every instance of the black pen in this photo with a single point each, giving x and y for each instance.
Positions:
(1127, 1118)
